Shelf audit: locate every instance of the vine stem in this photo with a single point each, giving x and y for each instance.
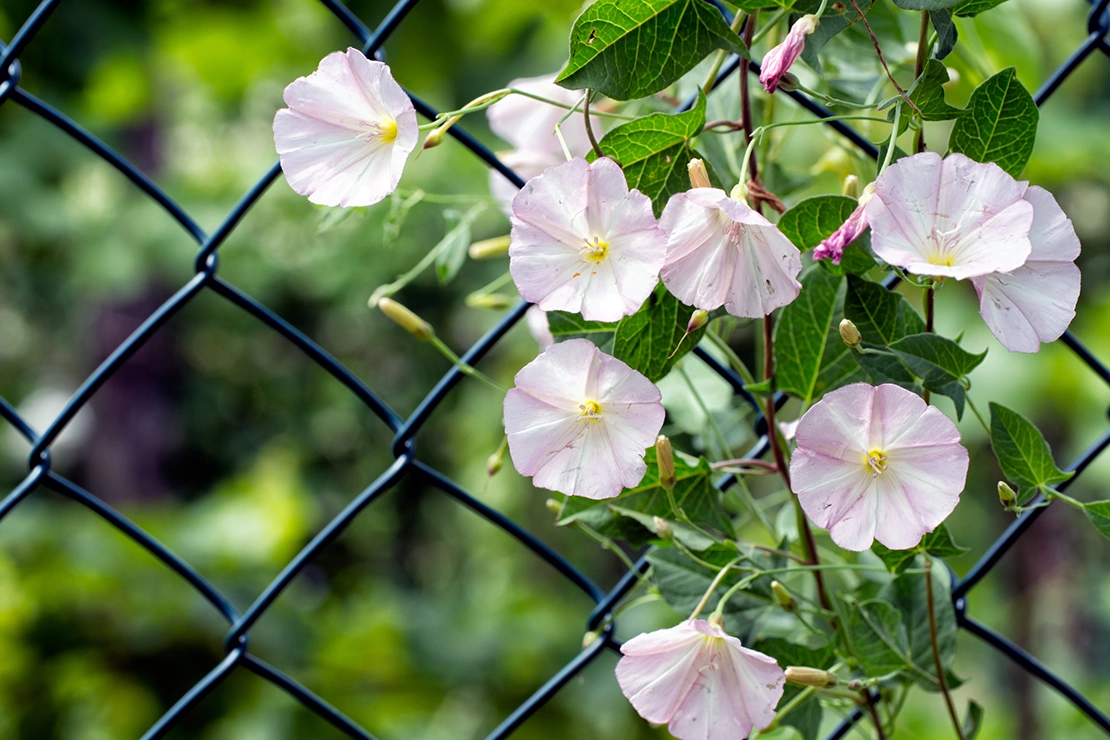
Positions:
(589, 127)
(919, 67)
(882, 59)
(930, 309)
(942, 679)
(874, 715)
(713, 587)
(810, 545)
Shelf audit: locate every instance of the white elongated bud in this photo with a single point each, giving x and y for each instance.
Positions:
(489, 248)
(495, 301)
(805, 676)
(850, 333)
(851, 186)
(786, 601)
(406, 319)
(663, 528)
(664, 458)
(699, 176)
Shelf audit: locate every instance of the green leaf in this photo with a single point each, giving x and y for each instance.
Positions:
(654, 152)
(968, 8)
(938, 543)
(1023, 454)
(1099, 514)
(694, 493)
(815, 219)
(565, 325)
(806, 716)
(682, 583)
(929, 5)
(648, 340)
(837, 18)
(940, 363)
(802, 332)
(891, 633)
(927, 93)
(451, 250)
(946, 32)
(882, 317)
(974, 721)
(907, 593)
(630, 49)
(1000, 124)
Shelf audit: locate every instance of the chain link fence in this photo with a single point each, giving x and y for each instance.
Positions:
(406, 460)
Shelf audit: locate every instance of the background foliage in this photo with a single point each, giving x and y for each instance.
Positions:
(422, 621)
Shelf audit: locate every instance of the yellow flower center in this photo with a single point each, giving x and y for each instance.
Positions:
(389, 132)
(595, 251)
(384, 131)
(875, 461)
(591, 411)
(944, 260)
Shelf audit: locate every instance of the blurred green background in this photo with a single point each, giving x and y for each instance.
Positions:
(422, 622)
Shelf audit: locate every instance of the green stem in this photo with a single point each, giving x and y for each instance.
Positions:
(943, 680)
(713, 587)
(721, 54)
(465, 368)
(613, 547)
(725, 451)
(770, 24)
(723, 601)
(919, 67)
(978, 416)
(1051, 493)
(893, 137)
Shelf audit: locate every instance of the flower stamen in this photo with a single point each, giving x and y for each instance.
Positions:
(591, 411)
(876, 461)
(595, 251)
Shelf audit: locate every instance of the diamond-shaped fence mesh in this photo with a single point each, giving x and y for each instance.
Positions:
(407, 462)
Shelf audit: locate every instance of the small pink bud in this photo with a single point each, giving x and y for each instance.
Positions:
(698, 319)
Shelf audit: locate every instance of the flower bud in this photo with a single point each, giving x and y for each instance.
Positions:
(811, 677)
(664, 458)
(699, 176)
(493, 464)
(434, 138)
(488, 300)
(855, 685)
(698, 319)
(489, 248)
(789, 82)
(850, 186)
(553, 506)
(849, 333)
(1006, 496)
(786, 601)
(589, 639)
(663, 528)
(716, 620)
(406, 319)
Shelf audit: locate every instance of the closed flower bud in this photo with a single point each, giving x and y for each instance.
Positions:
(406, 319)
(663, 528)
(699, 176)
(553, 506)
(851, 186)
(788, 82)
(493, 464)
(589, 639)
(434, 138)
(488, 248)
(664, 458)
(855, 685)
(488, 300)
(811, 677)
(786, 601)
(1006, 496)
(698, 319)
(849, 333)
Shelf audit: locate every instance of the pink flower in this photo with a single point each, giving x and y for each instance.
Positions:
(949, 218)
(527, 164)
(1036, 302)
(538, 327)
(877, 463)
(779, 59)
(583, 242)
(721, 252)
(833, 247)
(700, 681)
(529, 124)
(347, 132)
(579, 421)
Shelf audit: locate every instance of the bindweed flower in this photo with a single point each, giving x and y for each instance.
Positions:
(833, 247)
(877, 463)
(526, 164)
(347, 132)
(720, 252)
(949, 218)
(579, 421)
(779, 59)
(1036, 302)
(700, 682)
(583, 242)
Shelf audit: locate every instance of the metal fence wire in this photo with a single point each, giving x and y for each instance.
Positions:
(406, 462)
